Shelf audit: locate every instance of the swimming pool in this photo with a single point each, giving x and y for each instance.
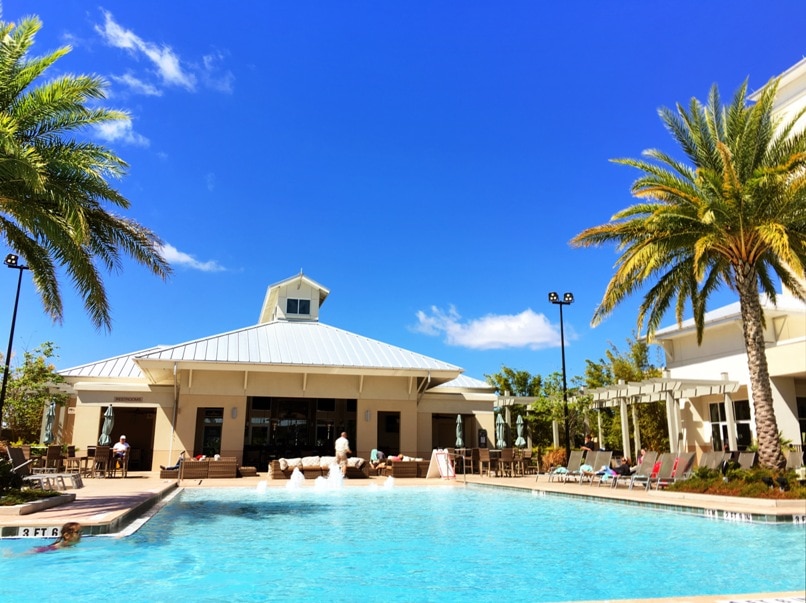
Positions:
(408, 544)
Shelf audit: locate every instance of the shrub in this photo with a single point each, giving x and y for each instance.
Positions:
(749, 483)
(9, 480)
(552, 457)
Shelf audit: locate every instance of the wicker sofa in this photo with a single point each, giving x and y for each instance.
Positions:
(413, 468)
(314, 466)
(224, 467)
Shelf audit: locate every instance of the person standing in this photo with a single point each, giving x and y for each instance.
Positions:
(342, 450)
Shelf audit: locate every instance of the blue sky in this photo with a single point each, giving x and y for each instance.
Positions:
(427, 162)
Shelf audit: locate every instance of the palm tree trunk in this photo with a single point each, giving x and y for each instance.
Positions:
(769, 445)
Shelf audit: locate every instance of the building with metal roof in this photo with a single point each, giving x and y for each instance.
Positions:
(284, 387)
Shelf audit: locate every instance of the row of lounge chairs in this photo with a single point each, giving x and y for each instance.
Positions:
(658, 470)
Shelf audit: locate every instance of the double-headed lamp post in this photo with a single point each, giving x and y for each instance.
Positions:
(568, 298)
(12, 261)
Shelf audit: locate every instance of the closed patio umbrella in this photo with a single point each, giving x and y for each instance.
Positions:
(106, 429)
(50, 417)
(499, 432)
(520, 442)
(460, 442)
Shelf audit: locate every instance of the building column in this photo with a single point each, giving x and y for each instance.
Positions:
(730, 419)
(671, 424)
(636, 429)
(625, 428)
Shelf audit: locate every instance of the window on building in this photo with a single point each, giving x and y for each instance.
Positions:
(298, 306)
(719, 425)
(801, 403)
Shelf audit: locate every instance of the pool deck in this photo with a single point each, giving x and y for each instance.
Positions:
(115, 505)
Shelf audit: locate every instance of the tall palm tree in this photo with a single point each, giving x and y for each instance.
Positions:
(54, 186)
(734, 215)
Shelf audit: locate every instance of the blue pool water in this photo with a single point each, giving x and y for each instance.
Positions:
(407, 544)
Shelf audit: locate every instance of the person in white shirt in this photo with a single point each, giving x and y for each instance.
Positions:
(342, 450)
(120, 448)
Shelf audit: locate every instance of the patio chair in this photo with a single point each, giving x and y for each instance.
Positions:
(666, 471)
(485, 460)
(527, 462)
(794, 459)
(685, 464)
(586, 467)
(602, 464)
(120, 464)
(45, 480)
(507, 462)
(574, 461)
(469, 456)
(747, 460)
(72, 463)
(22, 467)
(642, 471)
(100, 462)
(53, 458)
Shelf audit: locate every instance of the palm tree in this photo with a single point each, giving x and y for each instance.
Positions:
(736, 216)
(54, 186)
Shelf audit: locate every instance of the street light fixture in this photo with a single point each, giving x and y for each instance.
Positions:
(12, 261)
(568, 298)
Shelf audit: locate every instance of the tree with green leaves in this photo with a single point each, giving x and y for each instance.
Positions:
(31, 387)
(547, 406)
(54, 185)
(630, 365)
(732, 214)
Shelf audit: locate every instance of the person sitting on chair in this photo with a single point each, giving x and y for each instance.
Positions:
(120, 448)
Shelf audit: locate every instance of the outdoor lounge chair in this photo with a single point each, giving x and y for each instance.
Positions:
(665, 461)
(685, 465)
(668, 466)
(747, 460)
(574, 461)
(602, 464)
(45, 480)
(586, 467)
(794, 459)
(642, 470)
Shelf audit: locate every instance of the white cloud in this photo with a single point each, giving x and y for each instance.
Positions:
(137, 85)
(174, 256)
(492, 332)
(167, 63)
(120, 131)
(210, 180)
(215, 77)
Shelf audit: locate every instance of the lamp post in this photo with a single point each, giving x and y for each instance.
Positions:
(567, 299)
(12, 262)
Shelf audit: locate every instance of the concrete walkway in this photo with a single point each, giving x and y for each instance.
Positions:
(105, 506)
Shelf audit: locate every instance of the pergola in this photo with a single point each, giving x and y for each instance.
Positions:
(625, 396)
(663, 389)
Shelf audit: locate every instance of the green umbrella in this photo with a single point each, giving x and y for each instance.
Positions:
(50, 417)
(460, 443)
(106, 430)
(520, 442)
(499, 432)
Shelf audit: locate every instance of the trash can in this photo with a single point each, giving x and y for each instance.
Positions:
(482, 438)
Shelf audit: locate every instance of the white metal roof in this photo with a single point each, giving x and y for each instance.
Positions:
(277, 344)
(732, 312)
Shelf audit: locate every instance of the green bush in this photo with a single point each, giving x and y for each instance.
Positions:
(9, 481)
(748, 483)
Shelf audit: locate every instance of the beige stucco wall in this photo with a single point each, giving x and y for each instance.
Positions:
(230, 390)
